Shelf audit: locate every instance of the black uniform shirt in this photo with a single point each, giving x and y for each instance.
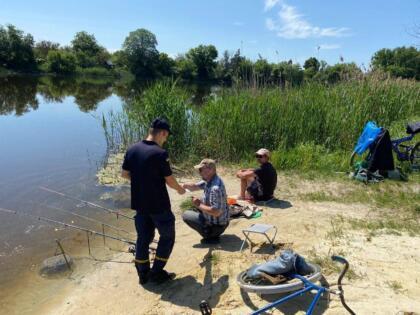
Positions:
(267, 177)
(148, 165)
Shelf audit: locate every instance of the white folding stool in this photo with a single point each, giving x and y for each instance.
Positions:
(259, 228)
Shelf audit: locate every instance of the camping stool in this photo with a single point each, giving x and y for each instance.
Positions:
(259, 229)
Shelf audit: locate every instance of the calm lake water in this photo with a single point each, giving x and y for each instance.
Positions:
(50, 135)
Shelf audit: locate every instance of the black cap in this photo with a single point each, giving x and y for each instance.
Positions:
(161, 123)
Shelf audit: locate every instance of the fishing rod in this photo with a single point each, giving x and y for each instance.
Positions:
(68, 225)
(117, 213)
(89, 219)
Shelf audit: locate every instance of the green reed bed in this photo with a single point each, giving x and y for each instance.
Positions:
(160, 100)
(313, 126)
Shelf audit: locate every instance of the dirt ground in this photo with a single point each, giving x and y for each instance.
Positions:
(384, 266)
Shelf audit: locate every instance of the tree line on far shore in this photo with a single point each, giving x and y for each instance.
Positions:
(139, 56)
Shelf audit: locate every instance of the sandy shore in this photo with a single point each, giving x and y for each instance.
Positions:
(385, 268)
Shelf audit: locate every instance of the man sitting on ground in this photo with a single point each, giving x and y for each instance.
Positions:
(261, 182)
(211, 216)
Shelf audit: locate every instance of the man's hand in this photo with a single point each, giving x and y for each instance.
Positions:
(171, 182)
(196, 201)
(188, 186)
(126, 174)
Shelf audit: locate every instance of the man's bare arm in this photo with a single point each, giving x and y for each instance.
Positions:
(172, 182)
(191, 187)
(126, 174)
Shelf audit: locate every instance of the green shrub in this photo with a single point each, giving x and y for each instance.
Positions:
(61, 62)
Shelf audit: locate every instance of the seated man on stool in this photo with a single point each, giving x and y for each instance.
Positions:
(261, 182)
(211, 216)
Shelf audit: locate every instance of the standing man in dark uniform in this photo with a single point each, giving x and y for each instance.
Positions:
(146, 164)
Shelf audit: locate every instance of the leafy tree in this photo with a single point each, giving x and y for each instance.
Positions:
(141, 53)
(87, 50)
(119, 59)
(166, 65)
(242, 69)
(312, 63)
(262, 70)
(401, 62)
(311, 66)
(42, 48)
(223, 69)
(289, 74)
(339, 72)
(61, 62)
(85, 43)
(85, 60)
(16, 49)
(204, 59)
(233, 67)
(184, 68)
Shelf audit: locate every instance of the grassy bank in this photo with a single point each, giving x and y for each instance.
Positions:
(313, 126)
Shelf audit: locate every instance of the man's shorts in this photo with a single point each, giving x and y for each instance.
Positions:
(255, 189)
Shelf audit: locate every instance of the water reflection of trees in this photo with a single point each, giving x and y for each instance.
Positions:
(18, 95)
(87, 93)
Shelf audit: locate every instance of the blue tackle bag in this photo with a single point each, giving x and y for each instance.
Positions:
(368, 136)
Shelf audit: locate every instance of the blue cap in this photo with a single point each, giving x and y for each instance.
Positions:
(161, 123)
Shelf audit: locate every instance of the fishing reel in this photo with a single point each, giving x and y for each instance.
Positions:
(132, 249)
(205, 308)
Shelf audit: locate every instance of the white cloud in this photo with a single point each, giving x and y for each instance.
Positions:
(237, 23)
(328, 46)
(290, 24)
(269, 4)
(269, 23)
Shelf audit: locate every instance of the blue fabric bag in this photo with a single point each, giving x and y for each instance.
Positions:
(368, 136)
(288, 262)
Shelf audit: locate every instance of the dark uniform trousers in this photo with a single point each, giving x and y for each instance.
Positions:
(145, 226)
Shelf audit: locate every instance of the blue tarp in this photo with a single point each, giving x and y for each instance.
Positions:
(368, 136)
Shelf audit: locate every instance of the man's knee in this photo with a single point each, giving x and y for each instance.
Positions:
(188, 216)
(166, 228)
(146, 239)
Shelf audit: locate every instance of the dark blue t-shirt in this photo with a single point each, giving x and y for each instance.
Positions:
(148, 165)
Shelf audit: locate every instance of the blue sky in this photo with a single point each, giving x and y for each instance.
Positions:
(276, 29)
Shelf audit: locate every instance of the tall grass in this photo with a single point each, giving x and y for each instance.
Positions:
(242, 120)
(311, 124)
(163, 99)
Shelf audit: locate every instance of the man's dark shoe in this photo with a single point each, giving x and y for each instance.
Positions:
(159, 277)
(211, 240)
(143, 277)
